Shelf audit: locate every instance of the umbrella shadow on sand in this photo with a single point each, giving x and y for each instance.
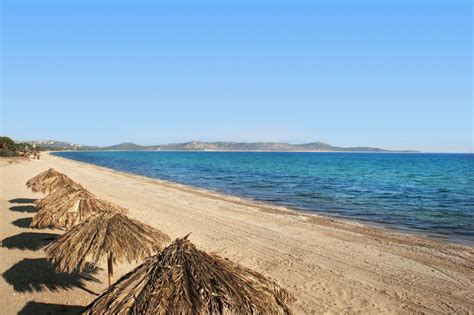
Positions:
(27, 209)
(29, 240)
(22, 200)
(46, 308)
(38, 274)
(22, 223)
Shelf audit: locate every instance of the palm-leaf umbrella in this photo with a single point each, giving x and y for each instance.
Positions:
(49, 181)
(107, 234)
(57, 196)
(65, 209)
(182, 279)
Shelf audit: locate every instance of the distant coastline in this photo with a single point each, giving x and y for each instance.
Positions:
(199, 146)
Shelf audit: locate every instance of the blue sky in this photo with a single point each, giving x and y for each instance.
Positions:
(391, 74)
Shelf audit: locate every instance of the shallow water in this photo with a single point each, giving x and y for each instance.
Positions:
(432, 194)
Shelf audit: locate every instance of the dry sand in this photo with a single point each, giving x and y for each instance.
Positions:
(331, 266)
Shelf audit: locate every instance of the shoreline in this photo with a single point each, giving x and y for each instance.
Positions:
(287, 209)
(330, 265)
(256, 151)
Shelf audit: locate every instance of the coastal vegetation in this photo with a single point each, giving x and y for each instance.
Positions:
(9, 148)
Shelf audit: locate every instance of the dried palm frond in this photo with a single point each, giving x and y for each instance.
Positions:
(107, 234)
(182, 279)
(56, 196)
(69, 209)
(49, 181)
(41, 177)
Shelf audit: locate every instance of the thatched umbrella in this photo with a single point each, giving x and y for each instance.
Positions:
(107, 234)
(49, 181)
(56, 196)
(182, 279)
(64, 209)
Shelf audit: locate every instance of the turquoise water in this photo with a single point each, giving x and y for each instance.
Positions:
(432, 194)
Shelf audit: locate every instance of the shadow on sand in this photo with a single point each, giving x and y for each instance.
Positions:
(29, 240)
(45, 308)
(28, 209)
(39, 274)
(22, 200)
(22, 223)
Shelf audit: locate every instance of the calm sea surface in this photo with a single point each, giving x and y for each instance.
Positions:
(432, 194)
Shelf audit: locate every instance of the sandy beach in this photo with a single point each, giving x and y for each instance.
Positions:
(331, 266)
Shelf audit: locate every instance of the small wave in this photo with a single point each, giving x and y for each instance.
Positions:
(401, 191)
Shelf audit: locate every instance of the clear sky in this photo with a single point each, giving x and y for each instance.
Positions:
(391, 74)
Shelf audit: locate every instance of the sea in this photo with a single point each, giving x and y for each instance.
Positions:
(428, 194)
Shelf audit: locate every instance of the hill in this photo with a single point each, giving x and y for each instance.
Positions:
(212, 146)
(126, 146)
(261, 146)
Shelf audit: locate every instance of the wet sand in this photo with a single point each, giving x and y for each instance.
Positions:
(331, 266)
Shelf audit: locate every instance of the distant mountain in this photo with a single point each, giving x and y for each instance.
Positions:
(246, 146)
(213, 146)
(126, 146)
(261, 146)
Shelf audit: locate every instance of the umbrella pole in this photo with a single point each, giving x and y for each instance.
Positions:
(110, 268)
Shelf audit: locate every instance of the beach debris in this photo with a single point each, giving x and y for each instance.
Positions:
(107, 234)
(68, 207)
(182, 279)
(49, 181)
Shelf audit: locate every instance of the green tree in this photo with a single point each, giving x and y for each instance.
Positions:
(7, 143)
